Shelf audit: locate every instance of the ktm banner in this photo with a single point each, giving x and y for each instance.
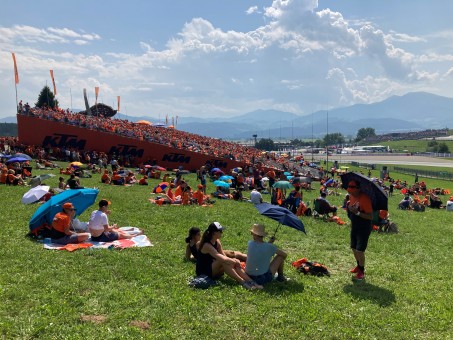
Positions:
(53, 82)
(16, 74)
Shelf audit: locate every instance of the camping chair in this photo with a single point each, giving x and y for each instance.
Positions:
(320, 209)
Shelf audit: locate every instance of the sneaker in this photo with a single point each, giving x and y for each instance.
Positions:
(256, 285)
(360, 275)
(249, 285)
(282, 278)
(354, 270)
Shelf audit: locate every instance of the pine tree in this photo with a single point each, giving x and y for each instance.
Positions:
(46, 98)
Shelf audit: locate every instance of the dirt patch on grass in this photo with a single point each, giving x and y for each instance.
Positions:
(98, 319)
(140, 324)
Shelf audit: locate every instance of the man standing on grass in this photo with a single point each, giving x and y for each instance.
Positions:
(360, 212)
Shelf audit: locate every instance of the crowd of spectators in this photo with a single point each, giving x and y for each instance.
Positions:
(167, 136)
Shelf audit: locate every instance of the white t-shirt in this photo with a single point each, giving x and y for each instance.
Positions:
(255, 197)
(98, 220)
(449, 206)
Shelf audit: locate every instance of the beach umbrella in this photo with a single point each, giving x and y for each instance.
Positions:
(216, 170)
(297, 180)
(23, 155)
(378, 196)
(77, 164)
(143, 122)
(286, 173)
(37, 180)
(282, 185)
(80, 198)
(281, 215)
(221, 184)
(17, 159)
(160, 187)
(35, 194)
(157, 167)
(226, 178)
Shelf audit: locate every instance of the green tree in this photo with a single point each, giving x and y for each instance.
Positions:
(364, 133)
(333, 139)
(443, 148)
(46, 98)
(266, 144)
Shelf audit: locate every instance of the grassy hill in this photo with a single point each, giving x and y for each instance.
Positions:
(143, 292)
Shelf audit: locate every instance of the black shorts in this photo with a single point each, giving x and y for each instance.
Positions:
(360, 233)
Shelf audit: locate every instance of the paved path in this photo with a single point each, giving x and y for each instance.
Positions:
(390, 159)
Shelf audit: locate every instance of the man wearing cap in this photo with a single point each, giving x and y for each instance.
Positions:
(261, 263)
(99, 226)
(60, 232)
(360, 212)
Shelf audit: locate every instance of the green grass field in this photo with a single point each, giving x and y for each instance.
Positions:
(143, 292)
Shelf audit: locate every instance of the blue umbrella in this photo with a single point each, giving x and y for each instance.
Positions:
(23, 155)
(17, 159)
(226, 178)
(286, 173)
(281, 215)
(221, 184)
(215, 170)
(80, 198)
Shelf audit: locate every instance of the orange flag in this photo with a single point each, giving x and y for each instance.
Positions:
(96, 93)
(16, 74)
(53, 82)
(118, 103)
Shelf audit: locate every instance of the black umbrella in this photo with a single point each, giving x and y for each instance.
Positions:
(378, 196)
(281, 215)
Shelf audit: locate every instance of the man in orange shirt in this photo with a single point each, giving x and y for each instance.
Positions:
(60, 232)
(360, 212)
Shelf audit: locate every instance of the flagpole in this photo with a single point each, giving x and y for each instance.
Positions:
(17, 103)
(70, 93)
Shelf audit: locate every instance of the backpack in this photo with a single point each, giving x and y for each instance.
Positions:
(202, 282)
(311, 267)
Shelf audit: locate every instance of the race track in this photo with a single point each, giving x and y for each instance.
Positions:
(391, 159)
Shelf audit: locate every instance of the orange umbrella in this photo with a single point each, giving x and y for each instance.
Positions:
(144, 122)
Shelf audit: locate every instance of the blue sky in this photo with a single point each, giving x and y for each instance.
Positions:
(224, 58)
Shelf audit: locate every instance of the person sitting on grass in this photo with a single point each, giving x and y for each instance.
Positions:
(60, 232)
(449, 205)
(73, 182)
(213, 262)
(106, 177)
(261, 263)
(143, 180)
(99, 226)
(193, 241)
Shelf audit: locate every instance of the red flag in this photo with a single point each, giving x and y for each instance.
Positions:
(118, 103)
(16, 74)
(96, 93)
(53, 82)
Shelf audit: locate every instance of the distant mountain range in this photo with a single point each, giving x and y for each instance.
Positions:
(411, 112)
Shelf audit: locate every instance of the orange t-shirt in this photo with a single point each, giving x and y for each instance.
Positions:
(363, 203)
(199, 196)
(61, 221)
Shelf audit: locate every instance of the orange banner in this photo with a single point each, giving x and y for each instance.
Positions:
(118, 103)
(96, 92)
(16, 74)
(53, 82)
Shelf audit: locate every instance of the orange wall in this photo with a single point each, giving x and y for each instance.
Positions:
(48, 133)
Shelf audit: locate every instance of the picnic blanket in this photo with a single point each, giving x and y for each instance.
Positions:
(136, 241)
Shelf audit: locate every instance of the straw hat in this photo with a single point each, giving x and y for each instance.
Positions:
(258, 229)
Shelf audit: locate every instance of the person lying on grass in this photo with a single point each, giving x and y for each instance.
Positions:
(99, 226)
(213, 262)
(60, 231)
(193, 241)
